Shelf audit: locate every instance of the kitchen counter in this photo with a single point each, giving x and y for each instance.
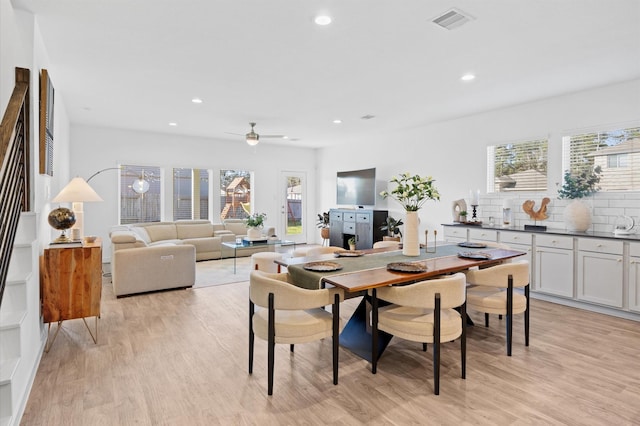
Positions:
(551, 231)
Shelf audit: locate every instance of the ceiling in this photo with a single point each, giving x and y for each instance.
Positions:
(137, 64)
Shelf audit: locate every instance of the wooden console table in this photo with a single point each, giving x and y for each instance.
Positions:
(71, 285)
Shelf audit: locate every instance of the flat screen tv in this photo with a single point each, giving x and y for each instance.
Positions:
(357, 187)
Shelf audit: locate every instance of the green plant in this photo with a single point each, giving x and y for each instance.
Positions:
(580, 185)
(323, 220)
(392, 226)
(352, 241)
(256, 220)
(463, 213)
(412, 191)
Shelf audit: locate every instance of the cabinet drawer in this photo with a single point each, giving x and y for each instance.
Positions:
(451, 232)
(349, 228)
(600, 245)
(634, 249)
(349, 217)
(554, 241)
(483, 234)
(363, 218)
(335, 216)
(515, 238)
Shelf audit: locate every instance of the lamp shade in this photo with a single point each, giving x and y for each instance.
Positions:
(78, 190)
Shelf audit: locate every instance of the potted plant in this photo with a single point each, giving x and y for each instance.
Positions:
(255, 223)
(392, 227)
(577, 215)
(323, 223)
(412, 191)
(352, 243)
(463, 216)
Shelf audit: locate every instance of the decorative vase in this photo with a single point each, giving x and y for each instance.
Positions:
(324, 233)
(411, 242)
(254, 233)
(577, 216)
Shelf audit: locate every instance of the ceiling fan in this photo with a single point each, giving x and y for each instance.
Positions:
(253, 138)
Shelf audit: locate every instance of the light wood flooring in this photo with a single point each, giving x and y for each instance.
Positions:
(180, 358)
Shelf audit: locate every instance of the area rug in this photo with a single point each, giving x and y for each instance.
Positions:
(218, 272)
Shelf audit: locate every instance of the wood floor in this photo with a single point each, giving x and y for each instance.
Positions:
(180, 358)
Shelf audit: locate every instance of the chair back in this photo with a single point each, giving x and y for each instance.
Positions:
(318, 251)
(286, 295)
(452, 289)
(497, 276)
(383, 244)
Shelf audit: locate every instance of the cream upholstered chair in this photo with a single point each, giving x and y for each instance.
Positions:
(318, 251)
(265, 261)
(291, 315)
(422, 312)
(491, 291)
(382, 244)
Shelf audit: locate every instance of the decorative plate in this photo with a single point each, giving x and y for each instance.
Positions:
(474, 255)
(406, 267)
(322, 266)
(469, 244)
(349, 253)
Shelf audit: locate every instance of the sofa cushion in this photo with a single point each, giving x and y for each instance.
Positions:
(237, 226)
(198, 230)
(142, 233)
(162, 232)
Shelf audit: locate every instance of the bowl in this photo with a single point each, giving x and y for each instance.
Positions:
(90, 239)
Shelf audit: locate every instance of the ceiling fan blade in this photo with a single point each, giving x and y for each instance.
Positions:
(237, 134)
(272, 136)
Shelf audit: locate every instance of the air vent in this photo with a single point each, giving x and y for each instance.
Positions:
(367, 117)
(452, 18)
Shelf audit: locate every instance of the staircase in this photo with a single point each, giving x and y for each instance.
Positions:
(22, 334)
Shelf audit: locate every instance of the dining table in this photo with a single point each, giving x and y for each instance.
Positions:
(358, 272)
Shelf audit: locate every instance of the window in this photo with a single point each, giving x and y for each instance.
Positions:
(617, 152)
(517, 166)
(140, 194)
(190, 194)
(235, 194)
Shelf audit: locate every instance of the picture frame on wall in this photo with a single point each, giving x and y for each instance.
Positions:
(47, 94)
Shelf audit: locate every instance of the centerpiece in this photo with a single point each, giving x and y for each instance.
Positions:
(323, 223)
(412, 191)
(577, 215)
(255, 223)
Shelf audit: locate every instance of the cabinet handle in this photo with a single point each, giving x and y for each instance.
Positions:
(619, 260)
(599, 245)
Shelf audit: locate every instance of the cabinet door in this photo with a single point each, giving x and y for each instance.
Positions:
(364, 232)
(634, 283)
(600, 278)
(554, 271)
(335, 228)
(455, 234)
(483, 235)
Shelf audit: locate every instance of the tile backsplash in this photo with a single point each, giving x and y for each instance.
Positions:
(606, 207)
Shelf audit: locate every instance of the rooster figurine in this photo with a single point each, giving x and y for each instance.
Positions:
(541, 214)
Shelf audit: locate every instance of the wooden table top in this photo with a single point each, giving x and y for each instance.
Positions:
(380, 277)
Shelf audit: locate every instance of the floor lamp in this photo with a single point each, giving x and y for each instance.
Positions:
(77, 192)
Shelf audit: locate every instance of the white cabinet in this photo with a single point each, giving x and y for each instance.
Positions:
(483, 235)
(455, 234)
(600, 271)
(520, 241)
(634, 277)
(554, 265)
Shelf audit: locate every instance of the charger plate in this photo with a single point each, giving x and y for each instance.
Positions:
(322, 266)
(469, 244)
(406, 267)
(474, 255)
(350, 253)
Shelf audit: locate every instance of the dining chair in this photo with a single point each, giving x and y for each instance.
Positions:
(383, 244)
(491, 290)
(422, 312)
(318, 251)
(289, 314)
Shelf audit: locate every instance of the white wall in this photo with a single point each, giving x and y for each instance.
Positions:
(454, 152)
(96, 148)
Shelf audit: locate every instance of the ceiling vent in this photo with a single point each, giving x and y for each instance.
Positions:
(451, 19)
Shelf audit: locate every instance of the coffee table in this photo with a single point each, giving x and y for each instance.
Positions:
(268, 245)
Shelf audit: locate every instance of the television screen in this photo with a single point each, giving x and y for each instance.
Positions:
(357, 187)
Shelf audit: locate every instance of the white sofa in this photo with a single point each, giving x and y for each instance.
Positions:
(161, 255)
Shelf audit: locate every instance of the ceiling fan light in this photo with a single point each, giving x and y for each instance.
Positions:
(252, 139)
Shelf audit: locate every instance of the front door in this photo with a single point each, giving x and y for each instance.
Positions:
(293, 206)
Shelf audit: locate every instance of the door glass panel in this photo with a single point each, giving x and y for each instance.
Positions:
(294, 206)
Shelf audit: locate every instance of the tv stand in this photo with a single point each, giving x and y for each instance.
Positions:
(363, 224)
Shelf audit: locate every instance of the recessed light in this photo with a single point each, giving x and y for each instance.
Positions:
(285, 137)
(196, 100)
(337, 121)
(173, 124)
(468, 77)
(323, 20)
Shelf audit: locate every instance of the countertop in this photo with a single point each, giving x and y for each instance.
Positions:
(553, 231)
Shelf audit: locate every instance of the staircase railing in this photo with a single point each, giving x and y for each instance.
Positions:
(14, 170)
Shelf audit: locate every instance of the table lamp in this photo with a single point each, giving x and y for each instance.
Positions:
(77, 192)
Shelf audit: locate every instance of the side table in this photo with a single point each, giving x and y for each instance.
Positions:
(71, 285)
